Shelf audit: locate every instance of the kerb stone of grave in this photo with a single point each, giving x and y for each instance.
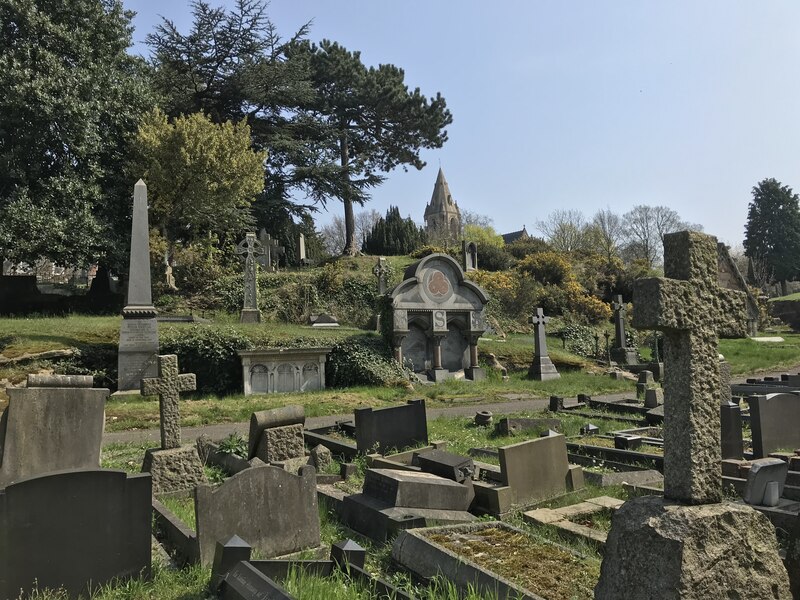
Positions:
(173, 467)
(542, 368)
(775, 422)
(669, 548)
(77, 529)
(138, 336)
(271, 509)
(55, 423)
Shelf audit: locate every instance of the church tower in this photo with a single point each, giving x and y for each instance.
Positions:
(442, 217)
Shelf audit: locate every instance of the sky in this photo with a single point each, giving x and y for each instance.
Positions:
(576, 105)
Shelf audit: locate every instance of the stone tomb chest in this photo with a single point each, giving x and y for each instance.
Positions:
(437, 318)
(272, 370)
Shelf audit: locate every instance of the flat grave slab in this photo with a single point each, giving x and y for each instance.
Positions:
(567, 518)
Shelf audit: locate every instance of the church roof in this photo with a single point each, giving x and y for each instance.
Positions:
(515, 235)
(441, 199)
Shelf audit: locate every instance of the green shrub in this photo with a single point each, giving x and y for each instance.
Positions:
(209, 353)
(579, 339)
(98, 360)
(494, 258)
(546, 268)
(363, 361)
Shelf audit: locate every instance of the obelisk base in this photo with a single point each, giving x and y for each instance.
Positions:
(174, 470)
(250, 315)
(138, 348)
(625, 356)
(659, 549)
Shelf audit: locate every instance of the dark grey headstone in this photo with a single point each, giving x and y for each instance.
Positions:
(416, 490)
(397, 427)
(775, 422)
(731, 430)
(245, 582)
(74, 529)
(762, 472)
(446, 464)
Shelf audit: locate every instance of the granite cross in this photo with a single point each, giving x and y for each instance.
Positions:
(168, 386)
(380, 270)
(690, 307)
(250, 248)
(540, 342)
(619, 322)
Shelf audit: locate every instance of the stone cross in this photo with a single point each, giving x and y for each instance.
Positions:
(250, 248)
(690, 307)
(265, 258)
(380, 270)
(168, 386)
(619, 322)
(542, 367)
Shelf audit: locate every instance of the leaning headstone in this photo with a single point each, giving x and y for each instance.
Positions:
(775, 422)
(75, 529)
(138, 336)
(55, 423)
(542, 368)
(763, 474)
(395, 428)
(670, 547)
(271, 509)
(173, 467)
(277, 433)
(250, 248)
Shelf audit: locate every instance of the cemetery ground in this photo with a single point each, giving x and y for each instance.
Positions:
(25, 338)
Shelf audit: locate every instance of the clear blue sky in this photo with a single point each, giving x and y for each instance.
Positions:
(578, 105)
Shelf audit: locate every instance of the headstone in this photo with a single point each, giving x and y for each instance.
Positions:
(762, 472)
(138, 336)
(775, 422)
(321, 457)
(731, 431)
(250, 249)
(271, 509)
(173, 467)
(55, 423)
(556, 403)
(621, 353)
(669, 547)
(542, 368)
(589, 429)
(653, 397)
(75, 529)
(397, 427)
(273, 418)
(301, 249)
(381, 270)
(513, 425)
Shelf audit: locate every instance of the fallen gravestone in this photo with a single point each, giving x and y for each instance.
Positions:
(55, 423)
(668, 548)
(173, 467)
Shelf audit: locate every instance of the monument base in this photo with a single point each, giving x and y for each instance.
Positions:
(543, 369)
(665, 550)
(138, 351)
(438, 375)
(250, 315)
(625, 356)
(475, 373)
(173, 470)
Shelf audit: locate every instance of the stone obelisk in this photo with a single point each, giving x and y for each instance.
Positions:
(138, 336)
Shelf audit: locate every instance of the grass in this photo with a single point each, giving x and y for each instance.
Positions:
(181, 507)
(747, 357)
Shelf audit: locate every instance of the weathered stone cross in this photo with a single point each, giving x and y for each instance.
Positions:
(168, 385)
(380, 270)
(619, 322)
(539, 340)
(690, 307)
(250, 248)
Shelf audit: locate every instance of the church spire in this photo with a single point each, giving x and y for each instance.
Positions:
(442, 213)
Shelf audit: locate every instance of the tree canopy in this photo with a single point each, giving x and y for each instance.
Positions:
(71, 99)
(394, 235)
(772, 231)
(372, 122)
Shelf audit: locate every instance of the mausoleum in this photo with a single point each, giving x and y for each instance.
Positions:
(437, 318)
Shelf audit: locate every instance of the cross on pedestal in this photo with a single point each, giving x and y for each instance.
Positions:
(619, 322)
(250, 248)
(380, 270)
(168, 386)
(542, 367)
(690, 307)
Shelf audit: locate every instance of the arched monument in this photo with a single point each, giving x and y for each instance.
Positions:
(437, 318)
